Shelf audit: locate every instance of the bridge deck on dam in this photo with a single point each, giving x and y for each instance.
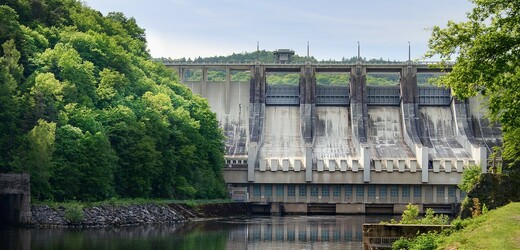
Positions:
(349, 144)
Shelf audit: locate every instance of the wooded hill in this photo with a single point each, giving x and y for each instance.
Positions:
(90, 116)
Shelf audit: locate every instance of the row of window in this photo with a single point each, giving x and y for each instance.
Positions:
(242, 162)
(349, 189)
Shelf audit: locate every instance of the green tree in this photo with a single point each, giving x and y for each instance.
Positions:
(84, 167)
(87, 112)
(9, 25)
(46, 96)
(487, 50)
(36, 158)
(10, 77)
(470, 178)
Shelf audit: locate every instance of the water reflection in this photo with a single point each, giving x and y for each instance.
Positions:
(290, 232)
(303, 232)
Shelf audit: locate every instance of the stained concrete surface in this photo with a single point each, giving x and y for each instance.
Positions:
(282, 133)
(232, 112)
(385, 134)
(333, 134)
(437, 131)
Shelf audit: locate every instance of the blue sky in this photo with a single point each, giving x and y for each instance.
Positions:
(191, 28)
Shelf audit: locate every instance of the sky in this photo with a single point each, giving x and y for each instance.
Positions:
(193, 28)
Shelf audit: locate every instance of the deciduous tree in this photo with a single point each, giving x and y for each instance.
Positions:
(487, 52)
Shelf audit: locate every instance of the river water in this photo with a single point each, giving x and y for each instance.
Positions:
(267, 232)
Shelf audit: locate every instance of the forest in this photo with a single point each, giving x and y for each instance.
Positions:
(90, 116)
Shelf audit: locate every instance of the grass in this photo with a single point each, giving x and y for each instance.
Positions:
(496, 229)
(136, 201)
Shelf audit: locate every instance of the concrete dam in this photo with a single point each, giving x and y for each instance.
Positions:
(344, 148)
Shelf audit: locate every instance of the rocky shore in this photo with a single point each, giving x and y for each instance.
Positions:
(106, 216)
(44, 216)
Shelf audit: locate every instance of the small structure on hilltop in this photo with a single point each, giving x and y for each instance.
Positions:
(283, 55)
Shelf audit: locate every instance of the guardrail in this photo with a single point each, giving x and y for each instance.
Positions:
(173, 62)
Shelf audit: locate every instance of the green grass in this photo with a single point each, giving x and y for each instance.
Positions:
(497, 229)
(136, 201)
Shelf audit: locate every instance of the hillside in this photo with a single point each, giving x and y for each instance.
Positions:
(90, 116)
(497, 229)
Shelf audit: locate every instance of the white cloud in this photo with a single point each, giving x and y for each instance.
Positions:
(192, 28)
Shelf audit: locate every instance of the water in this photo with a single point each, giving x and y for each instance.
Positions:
(269, 232)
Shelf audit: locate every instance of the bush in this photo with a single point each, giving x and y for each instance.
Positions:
(421, 242)
(431, 218)
(476, 209)
(411, 214)
(401, 243)
(470, 178)
(74, 213)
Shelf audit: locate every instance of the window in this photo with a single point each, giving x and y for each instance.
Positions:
(290, 234)
(268, 233)
(279, 190)
(279, 233)
(325, 191)
(371, 191)
(324, 234)
(290, 190)
(337, 191)
(314, 234)
(417, 192)
(462, 194)
(405, 191)
(268, 190)
(440, 191)
(256, 190)
(336, 235)
(302, 234)
(451, 191)
(394, 191)
(303, 191)
(314, 191)
(382, 191)
(348, 191)
(360, 191)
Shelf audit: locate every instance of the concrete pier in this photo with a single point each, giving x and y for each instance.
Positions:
(15, 199)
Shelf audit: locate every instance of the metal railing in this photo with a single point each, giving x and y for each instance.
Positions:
(332, 95)
(434, 96)
(383, 95)
(381, 242)
(282, 95)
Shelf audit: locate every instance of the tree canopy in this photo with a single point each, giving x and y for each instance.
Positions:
(487, 52)
(90, 116)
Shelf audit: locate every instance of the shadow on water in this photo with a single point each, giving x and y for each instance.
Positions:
(262, 232)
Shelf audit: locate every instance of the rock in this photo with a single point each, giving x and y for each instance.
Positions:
(105, 216)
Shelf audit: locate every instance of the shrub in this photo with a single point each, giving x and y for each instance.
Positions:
(434, 219)
(470, 178)
(401, 243)
(425, 241)
(74, 213)
(410, 214)
(476, 209)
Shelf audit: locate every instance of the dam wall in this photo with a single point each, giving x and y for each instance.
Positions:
(349, 143)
